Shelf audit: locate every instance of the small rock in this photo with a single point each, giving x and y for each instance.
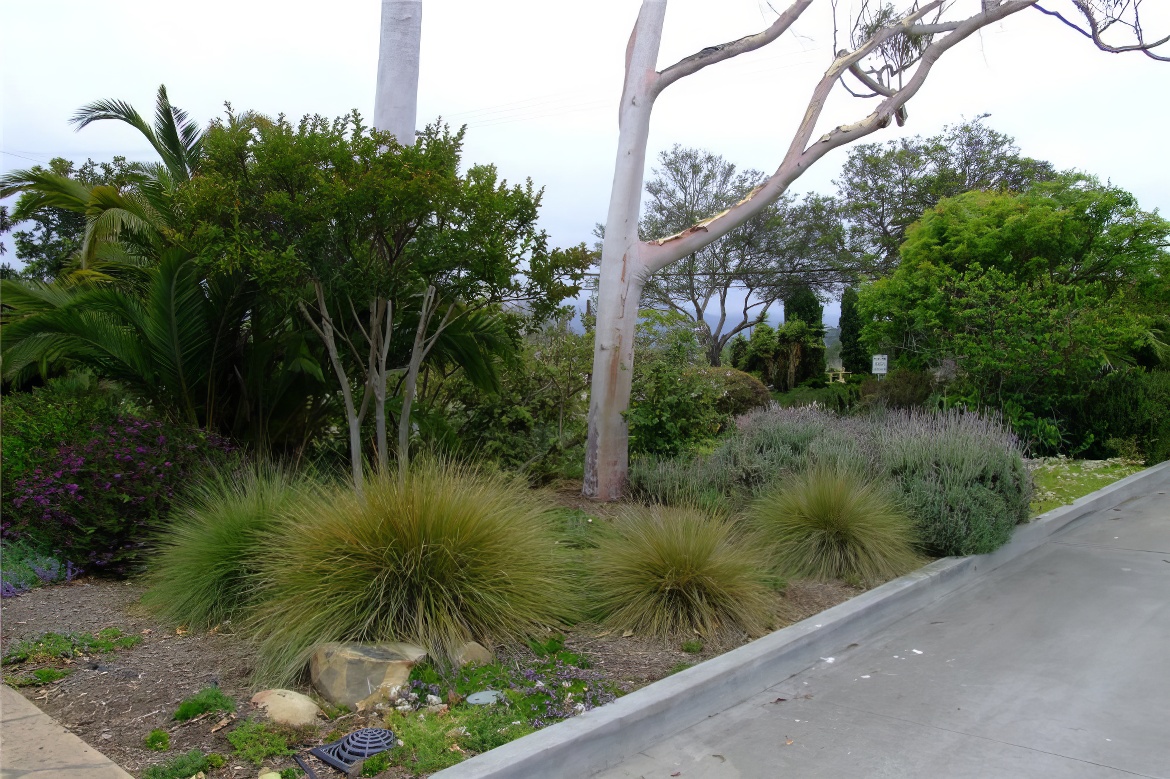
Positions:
(286, 707)
(349, 674)
(199, 775)
(484, 697)
(472, 653)
(434, 700)
(269, 775)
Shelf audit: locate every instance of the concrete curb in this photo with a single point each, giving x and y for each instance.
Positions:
(597, 739)
(33, 745)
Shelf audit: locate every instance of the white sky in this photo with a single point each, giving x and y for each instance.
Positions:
(538, 81)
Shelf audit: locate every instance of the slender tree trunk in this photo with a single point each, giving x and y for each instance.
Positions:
(417, 353)
(352, 417)
(381, 328)
(623, 270)
(396, 102)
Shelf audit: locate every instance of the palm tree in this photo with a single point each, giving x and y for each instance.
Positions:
(126, 227)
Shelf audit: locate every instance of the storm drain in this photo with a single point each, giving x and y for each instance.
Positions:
(356, 746)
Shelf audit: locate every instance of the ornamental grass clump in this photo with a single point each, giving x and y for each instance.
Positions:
(203, 571)
(446, 556)
(669, 572)
(830, 523)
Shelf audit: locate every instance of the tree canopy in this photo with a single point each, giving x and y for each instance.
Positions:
(1021, 301)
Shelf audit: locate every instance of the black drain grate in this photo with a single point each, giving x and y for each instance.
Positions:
(359, 745)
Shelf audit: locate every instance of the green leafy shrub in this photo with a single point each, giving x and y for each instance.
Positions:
(447, 556)
(1129, 407)
(831, 524)
(207, 699)
(669, 572)
(254, 741)
(900, 388)
(672, 408)
(157, 740)
(738, 392)
(201, 573)
(184, 766)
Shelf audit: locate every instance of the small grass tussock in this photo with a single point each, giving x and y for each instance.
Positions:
(207, 699)
(37, 678)
(56, 646)
(185, 766)
(157, 740)
(692, 647)
(828, 523)
(669, 572)
(449, 555)
(202, 573)
(254, 741)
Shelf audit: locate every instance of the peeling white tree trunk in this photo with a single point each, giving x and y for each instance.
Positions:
(396, 102)
(623, 269)
(627, 262)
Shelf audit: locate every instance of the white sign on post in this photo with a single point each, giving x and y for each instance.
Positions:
(880, 363)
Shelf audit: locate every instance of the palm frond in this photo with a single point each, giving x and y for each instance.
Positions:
(40, 188)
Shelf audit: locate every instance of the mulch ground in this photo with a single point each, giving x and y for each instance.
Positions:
(112, 701)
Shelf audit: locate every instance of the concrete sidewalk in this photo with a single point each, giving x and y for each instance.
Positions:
(1056, 666)
(35, 746)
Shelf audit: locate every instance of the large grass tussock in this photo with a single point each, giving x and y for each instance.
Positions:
(829, 523)
(203, 571)
(671, 572)
(449, 556)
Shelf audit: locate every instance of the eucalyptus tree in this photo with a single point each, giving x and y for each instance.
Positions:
(737, 278)
(888, 56)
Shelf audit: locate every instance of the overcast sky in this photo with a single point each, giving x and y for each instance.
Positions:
(537, 82)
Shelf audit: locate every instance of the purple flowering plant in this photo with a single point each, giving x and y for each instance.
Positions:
(98, 498)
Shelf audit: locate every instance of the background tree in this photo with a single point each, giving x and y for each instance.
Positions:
(890, 54)
(728, 286)
(1023, 302)
(884, 188)
(855, 357)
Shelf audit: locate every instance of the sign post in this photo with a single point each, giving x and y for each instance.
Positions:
(880, 364)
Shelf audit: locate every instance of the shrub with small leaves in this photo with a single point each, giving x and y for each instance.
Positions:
(207, 699)
(254, 741)
(157, 740)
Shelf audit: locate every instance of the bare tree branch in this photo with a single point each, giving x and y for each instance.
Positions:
(725, 51)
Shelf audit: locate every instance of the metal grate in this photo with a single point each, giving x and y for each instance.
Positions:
(359, 745)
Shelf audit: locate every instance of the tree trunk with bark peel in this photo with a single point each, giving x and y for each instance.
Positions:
(627, 262)
(396, 102)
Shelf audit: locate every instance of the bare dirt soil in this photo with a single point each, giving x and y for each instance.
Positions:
(114, 700)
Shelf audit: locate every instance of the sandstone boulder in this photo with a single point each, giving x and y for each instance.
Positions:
(349, 674)
(472, 653)
(287, 707)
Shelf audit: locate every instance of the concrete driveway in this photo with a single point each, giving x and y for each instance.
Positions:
(1055, 665)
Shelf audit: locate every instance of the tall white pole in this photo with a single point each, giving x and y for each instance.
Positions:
(396, 102)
